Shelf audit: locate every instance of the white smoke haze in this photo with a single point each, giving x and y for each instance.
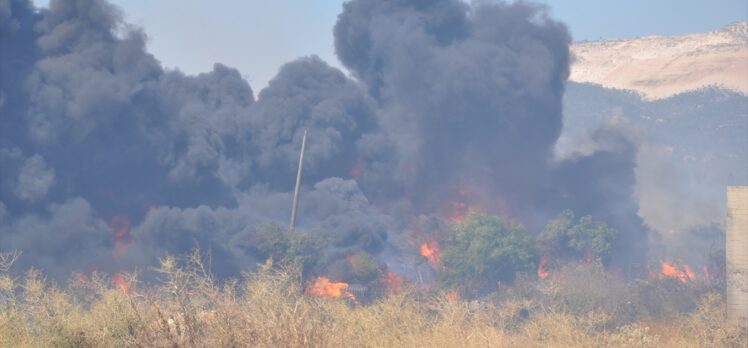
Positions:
(109, 161)
(34, 179)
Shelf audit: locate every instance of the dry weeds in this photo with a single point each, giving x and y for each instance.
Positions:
(268, 308)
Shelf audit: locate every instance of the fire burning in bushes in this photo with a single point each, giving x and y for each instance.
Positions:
(120, 281)
(681, 272)
(324, 287)
(543, 271)
(464, 129)
(430, 250)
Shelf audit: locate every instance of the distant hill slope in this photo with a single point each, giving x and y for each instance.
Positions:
(662, 66)
(692, 145)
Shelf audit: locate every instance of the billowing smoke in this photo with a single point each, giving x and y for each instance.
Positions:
(108, 161)
(471, 98)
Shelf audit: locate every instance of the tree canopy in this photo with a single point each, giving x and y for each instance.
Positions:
(585, 239)
(485, 249)
(273, 241)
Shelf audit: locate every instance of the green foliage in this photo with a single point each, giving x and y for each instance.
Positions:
(364, 268)
(485, 249)
(304, 249)
(272, 241)
(585, 239)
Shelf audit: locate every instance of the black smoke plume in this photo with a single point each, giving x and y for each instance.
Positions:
(109, 161)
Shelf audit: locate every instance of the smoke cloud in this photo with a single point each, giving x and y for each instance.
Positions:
(109, 161)
(471, 98)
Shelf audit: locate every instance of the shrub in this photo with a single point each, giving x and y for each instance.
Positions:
(268, 308)
(271, 241)
(582, 288)
(587, 239)
(364, 268)
(485, 249)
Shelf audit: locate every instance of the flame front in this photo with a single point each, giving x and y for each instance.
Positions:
(119, 280)
(543, 271)
(670, 270)
(324, 287)
(430, 250)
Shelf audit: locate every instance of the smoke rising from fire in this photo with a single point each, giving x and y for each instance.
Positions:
(471, 97)
(446, 101)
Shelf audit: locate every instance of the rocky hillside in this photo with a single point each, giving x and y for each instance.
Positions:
(692, 146)
(662, 66)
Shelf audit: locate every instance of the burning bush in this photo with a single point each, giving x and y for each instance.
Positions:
(269, 308)
(485, 249)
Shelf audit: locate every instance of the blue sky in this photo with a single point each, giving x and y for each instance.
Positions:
(257, 36)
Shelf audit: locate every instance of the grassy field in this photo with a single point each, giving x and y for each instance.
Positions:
(580, 306)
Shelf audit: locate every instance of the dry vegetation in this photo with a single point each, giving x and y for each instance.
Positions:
(581, 306)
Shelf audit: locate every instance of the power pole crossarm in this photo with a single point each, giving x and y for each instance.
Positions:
(298, 183)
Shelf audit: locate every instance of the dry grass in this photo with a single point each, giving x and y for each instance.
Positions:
(268, 308)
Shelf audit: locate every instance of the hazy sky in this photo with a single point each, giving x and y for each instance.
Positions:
(257, 36)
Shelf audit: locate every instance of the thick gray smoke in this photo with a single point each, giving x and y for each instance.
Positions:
(108, 161)
(471, 98)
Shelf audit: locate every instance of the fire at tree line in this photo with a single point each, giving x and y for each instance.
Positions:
(482, 253)
(434, 204)
(478, 254)
(489, 274)
(488, 260)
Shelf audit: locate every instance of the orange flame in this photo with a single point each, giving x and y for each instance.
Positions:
(394, 283)
(670, 270)
(543, 271)
(430, 250)
(324, 287)
(119, 280)
(459, 211)
(689, 272)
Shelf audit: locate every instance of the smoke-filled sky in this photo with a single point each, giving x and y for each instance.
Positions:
(285, 30)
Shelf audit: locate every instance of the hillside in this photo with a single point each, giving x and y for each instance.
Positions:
(662, 66)
(691, 146)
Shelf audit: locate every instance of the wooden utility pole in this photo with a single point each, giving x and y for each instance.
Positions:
(298, 184)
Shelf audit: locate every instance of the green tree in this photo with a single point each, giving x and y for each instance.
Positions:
(364, 268)
(585, 239)
(485, 249)
(273, 241)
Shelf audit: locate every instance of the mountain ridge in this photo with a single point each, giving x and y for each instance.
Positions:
(659, 67)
